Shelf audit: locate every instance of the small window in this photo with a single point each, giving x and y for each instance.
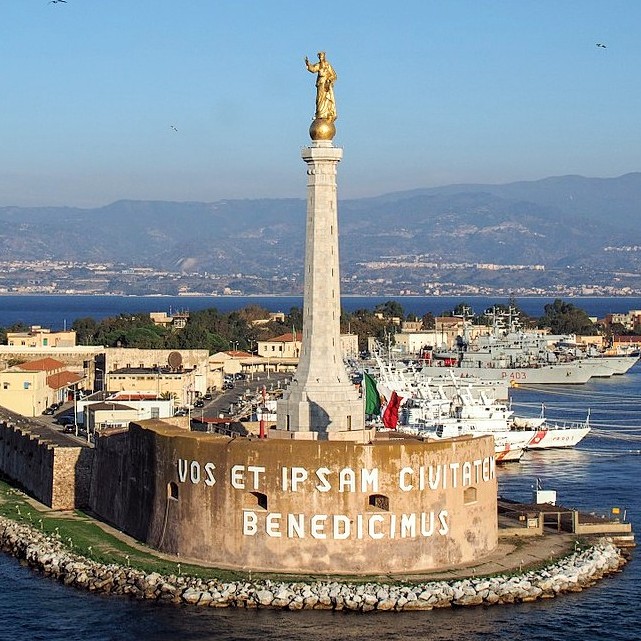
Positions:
(255, 500)
(172, 490)
(469, 495)
(5, 385)
(379, 502)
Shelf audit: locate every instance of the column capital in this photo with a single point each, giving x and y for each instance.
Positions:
(321, 153)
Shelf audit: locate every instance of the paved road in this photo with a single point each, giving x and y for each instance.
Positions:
(223, 400)
(45, 426)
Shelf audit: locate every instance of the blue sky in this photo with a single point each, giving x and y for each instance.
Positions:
(429, 92)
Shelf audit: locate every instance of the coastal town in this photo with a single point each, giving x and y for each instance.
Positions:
(414, 442)
(48, 276)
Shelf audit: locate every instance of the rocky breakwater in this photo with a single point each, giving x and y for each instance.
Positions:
(48, 555)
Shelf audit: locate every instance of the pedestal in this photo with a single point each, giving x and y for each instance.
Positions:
(321, 398)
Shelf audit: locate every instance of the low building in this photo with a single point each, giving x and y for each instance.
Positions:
(289, 346)
(102, 410)
(41, 337)
(285, 345)
(105, 374)
(99, 416)
(180, 386)
(629, 320)
(175, 321)
(411, 326)
(628, 342)
(349, 345)
(274, 317)
(29, 388)
(446, 336)
(415, 342)
(594, 342)
(228, 362)
(79, 359)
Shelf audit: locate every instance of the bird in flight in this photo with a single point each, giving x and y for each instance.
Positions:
(599, 44)
(57, 1)
(172, 127)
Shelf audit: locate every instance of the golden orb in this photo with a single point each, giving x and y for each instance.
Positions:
(322, 129)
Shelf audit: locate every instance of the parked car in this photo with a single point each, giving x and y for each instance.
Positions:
(199, 402)
(227, 385)
(50, 410)
(207, 397)
(181, 411)
(70, 429)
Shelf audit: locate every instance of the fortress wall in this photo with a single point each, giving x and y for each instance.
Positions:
(54, 475)
(71, 477)
(115, 491)
(302, 506)
(27, 461)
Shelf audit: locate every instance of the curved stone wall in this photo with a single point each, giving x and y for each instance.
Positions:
(393, 506)
(48, 555)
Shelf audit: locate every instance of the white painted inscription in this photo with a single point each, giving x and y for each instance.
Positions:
(376, 525)
(341, 526)
(344, 480)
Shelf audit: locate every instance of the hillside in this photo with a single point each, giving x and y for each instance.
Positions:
(571, 225)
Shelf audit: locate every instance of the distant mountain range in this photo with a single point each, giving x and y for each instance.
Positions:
(569, 224)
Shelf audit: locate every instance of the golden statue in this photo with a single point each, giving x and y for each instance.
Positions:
(323, 126)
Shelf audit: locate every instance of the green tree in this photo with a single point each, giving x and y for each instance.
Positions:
(126, 331)
(565, 318)
(429, 322)
(390, 309)
(251, 313)
(295, 319)
(365, 323)
(85, 329)
(144, 338)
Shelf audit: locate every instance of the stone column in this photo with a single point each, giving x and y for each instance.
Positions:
(321, 400)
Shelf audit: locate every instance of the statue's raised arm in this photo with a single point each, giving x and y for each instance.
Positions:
(326, 76)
